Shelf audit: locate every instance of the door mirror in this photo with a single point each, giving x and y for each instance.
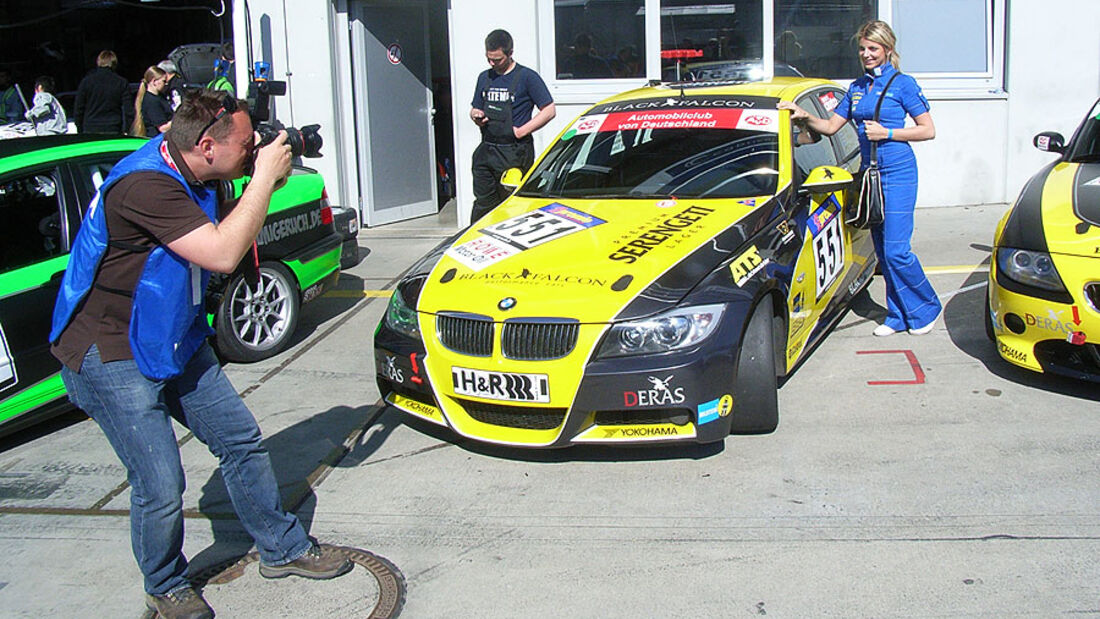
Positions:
(1050, 141)
(511, 178)
(826, 179)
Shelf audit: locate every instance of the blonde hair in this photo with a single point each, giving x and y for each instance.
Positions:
(138, 126)
(878, 31)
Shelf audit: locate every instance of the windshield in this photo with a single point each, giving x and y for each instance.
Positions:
(1086, 148)
(682, 154)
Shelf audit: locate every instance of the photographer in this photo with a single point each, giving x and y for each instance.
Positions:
(130, 329)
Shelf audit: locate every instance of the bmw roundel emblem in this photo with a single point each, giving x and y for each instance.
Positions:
(506, 303)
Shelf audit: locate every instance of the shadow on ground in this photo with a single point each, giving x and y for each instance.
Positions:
(301, 455)
(964, 318)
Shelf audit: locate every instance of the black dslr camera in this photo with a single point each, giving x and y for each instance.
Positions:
(304, 142)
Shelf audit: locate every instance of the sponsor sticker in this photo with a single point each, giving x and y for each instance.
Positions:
(506, 386)
(419, 409)
(528, 277)
(746, 265)
(711, 411)
(1012, 353)
(1052, 322)
(480, 252)
(669, 229)
(511, 236)
(391, 371)
(661, 394)
(684, 118)
(648, 432)
(287, 226)
(828, 101)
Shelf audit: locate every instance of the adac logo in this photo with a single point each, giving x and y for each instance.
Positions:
(662, 393)
(757, 120)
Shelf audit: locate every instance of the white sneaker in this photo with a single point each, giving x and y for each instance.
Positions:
(926, 328)
(884, 330)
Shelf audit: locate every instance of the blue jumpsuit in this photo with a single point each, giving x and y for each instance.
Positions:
(911, 303)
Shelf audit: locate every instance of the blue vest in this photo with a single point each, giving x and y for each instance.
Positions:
(167, 317)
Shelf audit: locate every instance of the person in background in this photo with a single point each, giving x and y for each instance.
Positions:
(223, 70)
(152, 112)
(130, 329)
(911, 303)
(11, 106)
(175, 88)
(46, 112)
(102, 98)
(583, 62)
(504, 99)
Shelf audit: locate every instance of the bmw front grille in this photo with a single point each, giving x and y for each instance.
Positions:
(524, 339)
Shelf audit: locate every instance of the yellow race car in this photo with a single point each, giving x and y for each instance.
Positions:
(1043, 306)
(674, 251)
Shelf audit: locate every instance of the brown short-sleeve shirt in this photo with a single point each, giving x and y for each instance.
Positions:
(146, 209)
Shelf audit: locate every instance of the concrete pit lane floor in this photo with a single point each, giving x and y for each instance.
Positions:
(909, 476)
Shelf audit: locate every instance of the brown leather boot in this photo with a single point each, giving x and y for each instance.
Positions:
(320, 562)
(181, 604)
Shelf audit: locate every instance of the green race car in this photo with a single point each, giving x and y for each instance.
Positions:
(45, 186)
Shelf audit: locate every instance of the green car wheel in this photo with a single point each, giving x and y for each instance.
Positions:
(254, 323)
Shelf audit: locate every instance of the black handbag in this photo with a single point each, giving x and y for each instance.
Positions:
(867, 210)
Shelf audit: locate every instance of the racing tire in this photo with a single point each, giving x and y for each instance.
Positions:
(988, 320)
(755, 385)
(256, 323)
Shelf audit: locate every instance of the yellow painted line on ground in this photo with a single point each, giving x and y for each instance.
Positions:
(355, 294)
(958, 269)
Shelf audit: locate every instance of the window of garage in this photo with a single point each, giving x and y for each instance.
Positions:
(954, 47)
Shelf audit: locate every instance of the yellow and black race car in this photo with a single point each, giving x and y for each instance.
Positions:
(1043, 306)
(675, 250)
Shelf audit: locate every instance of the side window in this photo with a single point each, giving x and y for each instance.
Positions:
(30, 207)
(90, 174)
(811, 150)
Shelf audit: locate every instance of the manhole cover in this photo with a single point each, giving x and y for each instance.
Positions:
(342, 594)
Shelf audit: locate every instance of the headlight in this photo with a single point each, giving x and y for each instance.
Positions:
(401, 318)
(679, 328)
(1031, 268)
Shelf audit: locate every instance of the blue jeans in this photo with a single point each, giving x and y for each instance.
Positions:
(136, 415)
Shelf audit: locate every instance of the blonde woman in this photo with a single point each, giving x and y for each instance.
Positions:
(911, 303)
(152, 112)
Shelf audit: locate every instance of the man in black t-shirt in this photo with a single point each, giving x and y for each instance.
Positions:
(504, 100)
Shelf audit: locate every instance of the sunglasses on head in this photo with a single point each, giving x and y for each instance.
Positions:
(229, 106)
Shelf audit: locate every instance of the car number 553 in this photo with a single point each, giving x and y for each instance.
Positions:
(829, 254)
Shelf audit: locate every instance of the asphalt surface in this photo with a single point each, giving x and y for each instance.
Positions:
(909, 476)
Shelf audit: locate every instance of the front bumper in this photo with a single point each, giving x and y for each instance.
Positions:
(674, 397)
(1043, 335)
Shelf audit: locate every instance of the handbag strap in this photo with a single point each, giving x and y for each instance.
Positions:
(878, 108)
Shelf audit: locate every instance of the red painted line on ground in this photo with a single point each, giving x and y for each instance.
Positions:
(918, 373)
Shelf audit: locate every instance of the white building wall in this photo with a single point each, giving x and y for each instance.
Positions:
(302, 41)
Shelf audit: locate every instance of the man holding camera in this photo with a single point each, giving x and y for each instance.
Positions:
(130, 329)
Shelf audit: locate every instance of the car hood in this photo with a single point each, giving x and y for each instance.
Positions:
(588, 260)
(1058, 211)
